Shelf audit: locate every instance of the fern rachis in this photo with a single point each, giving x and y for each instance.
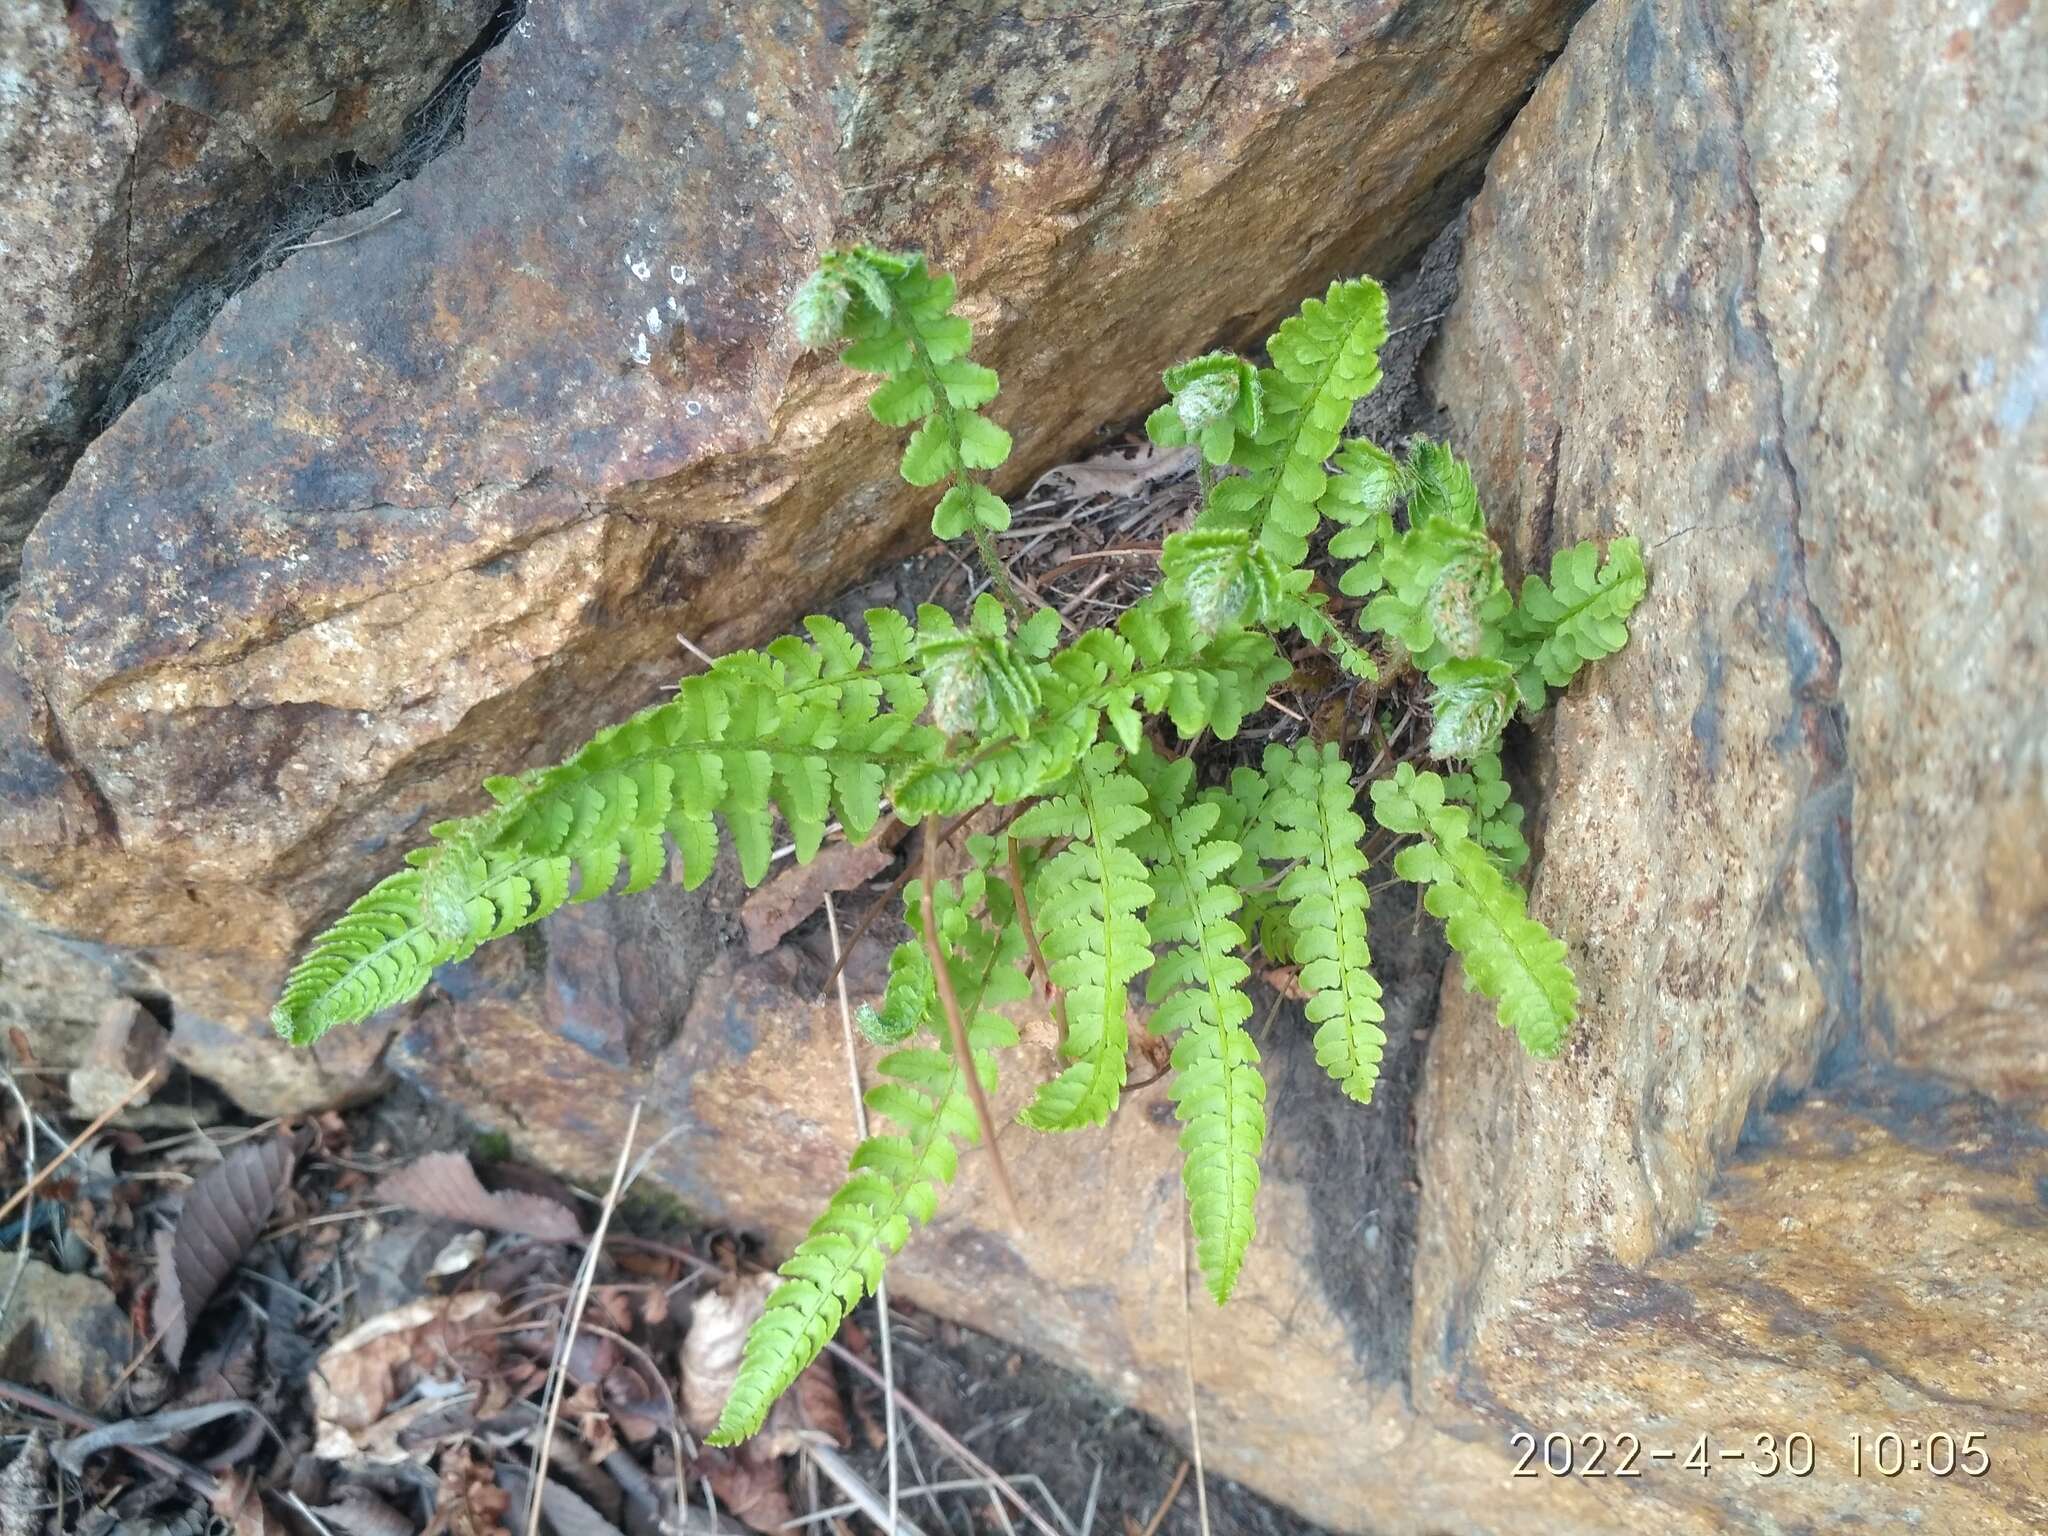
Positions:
(1115, 863)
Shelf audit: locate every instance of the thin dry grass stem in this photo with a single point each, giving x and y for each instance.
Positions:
(1187, 1360)
(1172, 1492)
(888, 899)
(299, 1504)
(941, 1436)
(312, 245)
(951, 1445)
(1109, 552)
(825, 1456)
(135, 1091)
(28, 1220)
(571, 1322)
(962, 1052)
(1043, 972)
(860, 1120)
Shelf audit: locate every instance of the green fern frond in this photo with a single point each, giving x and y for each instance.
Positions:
(1310, 803)
(1324, 359)
(1089, 901)
(1367, 485)
(1153, 662)
(1197, 986)
(895, 1176)
(907, 999)
(1223, 578)
(1470, 705)
(1508, 955)
(1496, 818)
(1439, 586)
(799, 728)
(1212, 400)
(897, 316)
(1579, 615)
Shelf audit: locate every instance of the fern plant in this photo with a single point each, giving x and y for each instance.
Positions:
(1124, 858)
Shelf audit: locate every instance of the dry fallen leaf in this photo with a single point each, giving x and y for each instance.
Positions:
(566, 1512)
(811, 1406)
(798, 891)
(711, 1350)
(1120, 472)
(443, 1184)
(458, 1253)
(468, 1502)
(225, 1211)
(23, 1485)
(711, 1360)
(748, 1487)
(236, 1501)
(447, 1339)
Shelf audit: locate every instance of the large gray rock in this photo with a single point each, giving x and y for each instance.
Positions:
(1752, 284)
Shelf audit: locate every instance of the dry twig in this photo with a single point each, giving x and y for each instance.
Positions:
(572, 1319)
(141, 1086)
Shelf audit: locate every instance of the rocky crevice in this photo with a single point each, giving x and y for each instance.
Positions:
(257, 213)
(1825, 817)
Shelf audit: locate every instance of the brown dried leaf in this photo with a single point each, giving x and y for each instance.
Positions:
(798, 891)
(361, 1513)
(468, 1502)
(1121, 472)
(566, 1511)
(443, 1184)
(236, 1501)
(363, 1372)
(712, 1348)
(812, 1406)
(23, 1484)
(749, 1487)
(225, 1211)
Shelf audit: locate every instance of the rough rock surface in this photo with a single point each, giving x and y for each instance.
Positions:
(434, 501)
(1871, 1263)
(1749, 284)
(1803, 809)
(154, 154)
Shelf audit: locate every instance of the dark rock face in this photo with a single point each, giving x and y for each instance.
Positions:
(157, 156)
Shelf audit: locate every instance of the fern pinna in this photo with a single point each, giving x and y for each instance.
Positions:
(1130, 853)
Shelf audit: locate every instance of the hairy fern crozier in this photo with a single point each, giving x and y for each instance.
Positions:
(1123, 859)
